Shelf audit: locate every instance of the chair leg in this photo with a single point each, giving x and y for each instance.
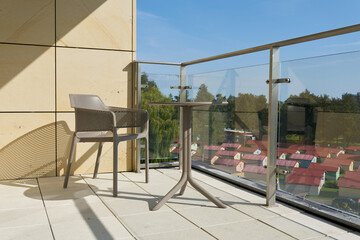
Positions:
(146, 159)
(115, 166)
(98, 159)
(71, 156)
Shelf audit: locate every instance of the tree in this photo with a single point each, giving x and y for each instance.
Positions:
(163, 120)
(201, 120)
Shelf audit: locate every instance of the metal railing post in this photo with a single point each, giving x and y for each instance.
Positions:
(272, 127)
(138, 90)
(182, 94)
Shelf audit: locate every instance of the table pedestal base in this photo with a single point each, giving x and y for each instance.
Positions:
(182, 184)
(186, 167)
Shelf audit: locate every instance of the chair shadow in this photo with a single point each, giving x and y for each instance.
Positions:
(42, 152)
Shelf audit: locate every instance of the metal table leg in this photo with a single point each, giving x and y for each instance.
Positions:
(186, 167)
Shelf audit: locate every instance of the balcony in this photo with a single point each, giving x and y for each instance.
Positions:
(42, 209)
(293, 137)
(304, 132)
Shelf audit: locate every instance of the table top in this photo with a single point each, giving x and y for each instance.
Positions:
(186, 104)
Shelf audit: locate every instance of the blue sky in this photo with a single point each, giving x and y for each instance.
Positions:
(179, 31)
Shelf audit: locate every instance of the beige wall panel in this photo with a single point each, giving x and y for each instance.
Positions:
(94, 23)
(27, 21)
(107, 74)
(27, 78)
(27, 145)
(85, 155)
(134, 27)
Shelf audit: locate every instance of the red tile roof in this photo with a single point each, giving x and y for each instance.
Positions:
(308, 172)
(283, 145)
(319, 153)
(254, 169)
(321, 166)
(348, 183)
(320, 150)
(263, 153)
(349, 156)
(262, 145)
(307, 147)
(213, 148)
(289, 150)
(294, 146)
(231, 145)
(247, 149)
(227, 162)
(351, 180)
(301, 157)
(353, 148)
(253, 157)
(303, 180)
(353, 175)
(226, 153)
(175, 151)
(338, 161)
(286, 163)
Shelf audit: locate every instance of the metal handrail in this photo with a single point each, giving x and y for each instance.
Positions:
(159, 63)
(316, 36)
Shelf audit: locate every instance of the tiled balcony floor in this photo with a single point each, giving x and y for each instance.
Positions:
(42, 209)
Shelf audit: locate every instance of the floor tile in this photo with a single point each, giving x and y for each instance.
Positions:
(156, 222)
(69, 197)
(283, 209)
(32, 232)
(28, 187)
(249, 230)
(190, 198)
(210, 216)
(80, 211)
(197, 234)
(132, 204)
(22, 217)
(15, 202)
(343, 236)
(316, 223)
(293, 228)
(255, 210)
(96, 228)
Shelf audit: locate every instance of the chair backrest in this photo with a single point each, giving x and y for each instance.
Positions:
(86, 101)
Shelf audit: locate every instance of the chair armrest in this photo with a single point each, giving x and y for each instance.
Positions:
(127, 117)
(94, 120)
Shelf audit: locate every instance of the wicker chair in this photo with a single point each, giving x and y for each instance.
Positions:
(96, 122)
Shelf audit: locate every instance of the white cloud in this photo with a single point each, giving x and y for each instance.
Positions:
(147, 15)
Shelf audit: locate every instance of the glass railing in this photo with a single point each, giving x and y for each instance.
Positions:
(299, 140)
(163, 120)
(319, 130)
(225, 137)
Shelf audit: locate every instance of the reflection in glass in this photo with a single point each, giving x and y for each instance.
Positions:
(231, 138)
(319, 128)
(164, 120)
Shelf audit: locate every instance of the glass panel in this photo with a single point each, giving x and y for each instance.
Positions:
(231, 138)
(164, 121)
(319, 130)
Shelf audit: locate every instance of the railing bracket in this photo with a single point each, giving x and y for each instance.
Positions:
(181, 87)
(280, 80)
